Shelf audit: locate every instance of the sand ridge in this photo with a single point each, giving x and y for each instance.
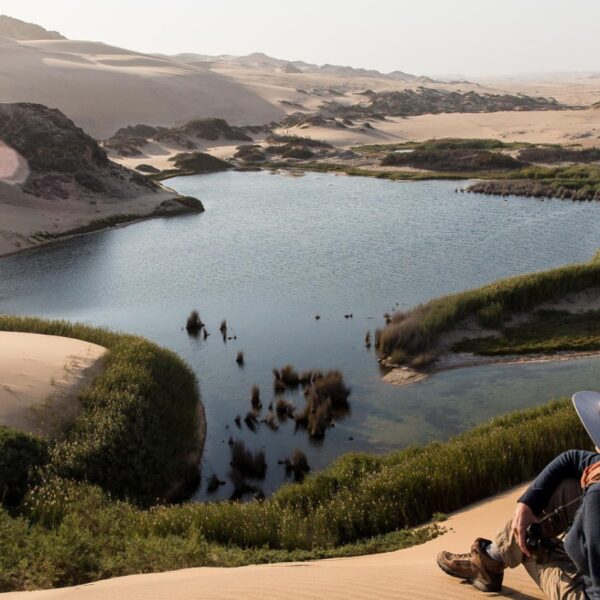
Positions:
(409, 574)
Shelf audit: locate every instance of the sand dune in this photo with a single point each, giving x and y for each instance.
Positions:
(409, 574)
(103, 88)
(40, 375)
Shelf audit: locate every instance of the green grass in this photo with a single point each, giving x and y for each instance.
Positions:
(418, 331)
(548, 331)
(139, 424)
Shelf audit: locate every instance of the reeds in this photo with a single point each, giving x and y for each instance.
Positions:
(326, 398)
(255, 398)
(250, 465)
(194, 323)
(296, 466)
(418, 331)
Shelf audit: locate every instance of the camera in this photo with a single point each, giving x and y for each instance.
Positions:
(535, 539)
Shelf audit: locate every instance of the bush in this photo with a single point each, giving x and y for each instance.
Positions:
(20, 455)
(297, 152)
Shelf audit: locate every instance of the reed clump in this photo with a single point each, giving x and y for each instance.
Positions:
(194, 323)
(326, 399)
(255, 398)
(296, 466)
(250, 465)
(284, 409)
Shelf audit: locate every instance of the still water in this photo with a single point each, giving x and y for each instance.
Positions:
(273, 251)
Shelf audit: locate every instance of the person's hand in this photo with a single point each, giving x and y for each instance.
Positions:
(522, 519)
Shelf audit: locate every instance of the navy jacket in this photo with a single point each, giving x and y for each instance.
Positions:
(582, 542)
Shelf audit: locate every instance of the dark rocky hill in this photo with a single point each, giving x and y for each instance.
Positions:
(63, 160)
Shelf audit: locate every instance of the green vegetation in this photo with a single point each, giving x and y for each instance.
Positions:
(20, 454)
(409, 335)
(548, 331)
(297, 152)
(559, 154)
(452, 159)
(577, 182)
(192, 163)
(361, 503)
(325, 167)
(137, 436)
(440, 144)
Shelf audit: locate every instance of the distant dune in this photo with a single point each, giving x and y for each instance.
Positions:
(103, 88)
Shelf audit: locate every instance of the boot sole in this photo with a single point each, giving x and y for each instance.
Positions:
(477, 583)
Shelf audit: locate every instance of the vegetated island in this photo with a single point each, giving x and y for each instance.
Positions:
(56, 181)
(549, 315)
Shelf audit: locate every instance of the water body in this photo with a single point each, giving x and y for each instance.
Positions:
(273, 251)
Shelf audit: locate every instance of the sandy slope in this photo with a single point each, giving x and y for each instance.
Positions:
(40, 375)
(103, 88)
(409, 574)
(23, 215)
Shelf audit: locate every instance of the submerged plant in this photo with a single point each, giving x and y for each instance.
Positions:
(194, 323)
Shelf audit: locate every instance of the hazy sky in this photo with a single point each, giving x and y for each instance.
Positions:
(477, 37)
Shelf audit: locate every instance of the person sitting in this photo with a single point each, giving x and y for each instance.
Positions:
(555, 530)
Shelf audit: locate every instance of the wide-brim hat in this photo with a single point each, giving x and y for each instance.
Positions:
(587, 405)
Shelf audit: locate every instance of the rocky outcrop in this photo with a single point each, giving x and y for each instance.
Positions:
(129, 141)
(63, 161)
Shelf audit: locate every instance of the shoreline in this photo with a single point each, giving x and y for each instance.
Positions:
(403, 376)
(111, 222)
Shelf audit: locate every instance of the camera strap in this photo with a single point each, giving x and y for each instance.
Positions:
(560, 509)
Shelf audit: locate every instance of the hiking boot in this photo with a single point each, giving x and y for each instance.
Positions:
(477, 567)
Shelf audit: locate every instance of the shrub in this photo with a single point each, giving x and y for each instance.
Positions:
(199, 162)
(297, 152)
(20, 455)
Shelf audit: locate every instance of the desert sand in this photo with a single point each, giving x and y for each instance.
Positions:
(102, 88)
(410, 574)
(40, 376)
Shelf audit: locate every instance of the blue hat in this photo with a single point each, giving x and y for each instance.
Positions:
(587, 405)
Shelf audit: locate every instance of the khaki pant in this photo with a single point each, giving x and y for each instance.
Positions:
(553, 570)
